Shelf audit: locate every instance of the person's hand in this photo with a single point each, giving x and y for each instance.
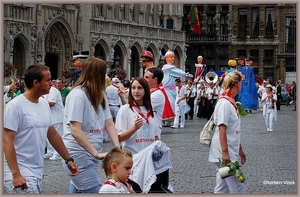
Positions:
(243, 77)
(12, 86)
(120, 92)
(73, 168)
(19, 182)
(243, 157)
(138, 122)
(225, 158)
(101, 156)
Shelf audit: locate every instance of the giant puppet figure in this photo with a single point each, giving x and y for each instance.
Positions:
(248, 94)
(200, 69)
(171, 72)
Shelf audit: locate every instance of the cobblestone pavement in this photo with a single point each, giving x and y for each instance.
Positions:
(270, 167)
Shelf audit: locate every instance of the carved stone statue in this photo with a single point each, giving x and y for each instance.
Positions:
(217, 19)
(204, 20)
(228, 19)
(11, 43)
(33, 40)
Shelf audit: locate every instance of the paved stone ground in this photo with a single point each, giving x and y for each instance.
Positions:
(270, 167)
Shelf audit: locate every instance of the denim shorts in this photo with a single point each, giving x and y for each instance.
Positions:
(88, 177)
(73, 189)
(34, 186)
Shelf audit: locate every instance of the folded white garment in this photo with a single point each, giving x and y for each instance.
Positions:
(152, 160)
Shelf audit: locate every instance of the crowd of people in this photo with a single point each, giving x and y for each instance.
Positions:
(71, 124)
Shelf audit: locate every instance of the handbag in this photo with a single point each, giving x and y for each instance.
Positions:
(208, 131)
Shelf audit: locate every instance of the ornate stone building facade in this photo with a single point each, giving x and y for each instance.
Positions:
(50, 33)
(265, 31)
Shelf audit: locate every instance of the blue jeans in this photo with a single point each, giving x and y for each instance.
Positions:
(73, 189)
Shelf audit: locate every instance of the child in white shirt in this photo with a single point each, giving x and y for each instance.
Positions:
(117, 166)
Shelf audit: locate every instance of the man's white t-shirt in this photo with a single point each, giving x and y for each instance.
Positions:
(57, 110)
(78, 108)
(225, 113)
(144, 136)
(31, 122)
(158, 104)
(112, 95)
(180, 93)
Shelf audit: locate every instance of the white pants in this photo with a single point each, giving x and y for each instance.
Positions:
(179, 111)
(196, 106)
(60, 130)
(228, 185)
(269, 118)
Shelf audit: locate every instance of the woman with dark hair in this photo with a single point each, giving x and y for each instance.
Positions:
(135, 121)
(86, 117)
(138, 131)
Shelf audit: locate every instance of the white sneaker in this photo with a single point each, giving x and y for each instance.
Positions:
(55, 157)
(47, 155)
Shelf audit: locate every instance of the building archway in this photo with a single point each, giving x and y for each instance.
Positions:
(19, 56)
(135, 62)
(51, 61)
(101, 50)
(57, 49)
(178, 57)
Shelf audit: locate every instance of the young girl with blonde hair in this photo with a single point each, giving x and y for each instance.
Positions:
(117, 167)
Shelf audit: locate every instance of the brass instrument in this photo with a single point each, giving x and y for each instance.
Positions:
(211, 77)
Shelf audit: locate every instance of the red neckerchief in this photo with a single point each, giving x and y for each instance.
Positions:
(108, 182)
(229, 97)
(115, 85)
(144, 115)
(167, 111)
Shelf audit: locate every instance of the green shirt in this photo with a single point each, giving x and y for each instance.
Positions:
(64, 93)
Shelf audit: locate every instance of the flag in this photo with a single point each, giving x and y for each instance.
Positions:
(194, 20)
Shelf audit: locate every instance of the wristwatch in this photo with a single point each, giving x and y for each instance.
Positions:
(70, 159)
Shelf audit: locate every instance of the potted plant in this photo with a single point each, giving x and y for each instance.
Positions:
(268, 59)
(254, 37)
(223, 12)
(255, 58)
(210, 13)
(210, 56)
(211, 34)
(223, 56)
(241, 37)
(68, 73)
(290, 44)
(117, 72)
(203, 34)
(269, 36)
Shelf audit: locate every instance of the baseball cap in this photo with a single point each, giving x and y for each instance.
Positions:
(115, 80)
